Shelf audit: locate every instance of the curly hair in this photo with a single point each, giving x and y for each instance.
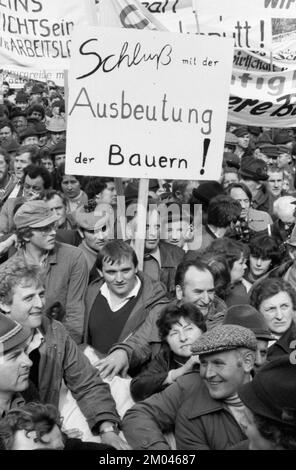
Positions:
(17, 273)
(268, 288)
(172, 314)
(30, 417)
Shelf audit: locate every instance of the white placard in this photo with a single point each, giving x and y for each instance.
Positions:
(146, 104)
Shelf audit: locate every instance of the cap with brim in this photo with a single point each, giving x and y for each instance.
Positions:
(225, 338)
(249, 317)
(34, 214)
(29, 132)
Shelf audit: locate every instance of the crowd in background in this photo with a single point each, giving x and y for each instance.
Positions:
(194, 351)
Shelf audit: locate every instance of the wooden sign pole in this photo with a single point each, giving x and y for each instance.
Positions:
(141, 220)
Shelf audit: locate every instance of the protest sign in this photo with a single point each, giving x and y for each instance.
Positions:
(146, 104)
(37, 33)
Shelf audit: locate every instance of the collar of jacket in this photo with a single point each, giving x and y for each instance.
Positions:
(203, 403)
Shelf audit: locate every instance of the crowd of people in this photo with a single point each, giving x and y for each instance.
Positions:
(190, 345)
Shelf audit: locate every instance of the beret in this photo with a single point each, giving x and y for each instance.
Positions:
(225, 338)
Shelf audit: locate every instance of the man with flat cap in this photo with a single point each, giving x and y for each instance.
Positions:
(203, 409)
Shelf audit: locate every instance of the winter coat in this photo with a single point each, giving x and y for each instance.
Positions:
(199, 421)
(61, 359)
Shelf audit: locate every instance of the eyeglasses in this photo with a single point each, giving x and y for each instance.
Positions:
(46, 230)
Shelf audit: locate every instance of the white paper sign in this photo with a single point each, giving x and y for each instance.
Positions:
(147, 104)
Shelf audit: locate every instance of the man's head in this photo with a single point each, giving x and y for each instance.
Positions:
(58, 153)
(94, 227)
(19, 121)
(223, 211)
(21, 100)
(6, 132)
(226, 355)
(25, 155)
(253, 172)
(36, 225)
(57, 128)
(182, 190)
(36, 180)
(102, 190)
(243, 137)
(119, 264)
(22, 293)
(32, 427)
(249, 317)
(275, 180)
(276, 300)
(57, 203)
(284, 156)
(29, 136)
(36, 111)
(241, 193)
(176, 224)
(14, 362)
(195, 283)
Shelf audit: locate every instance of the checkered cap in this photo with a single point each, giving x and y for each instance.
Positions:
(225, 338)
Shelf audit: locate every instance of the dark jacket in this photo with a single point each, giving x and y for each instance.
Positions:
(200, 422)
(152, 298)
(283, 345)
(151, 379)
(66, 279)
(60, 358)
(145, 343)
(263, 201)
(170, 257)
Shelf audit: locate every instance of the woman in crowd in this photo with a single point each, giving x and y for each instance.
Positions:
(179, 327)
(71, 186)
(235, 254)
(264, 256)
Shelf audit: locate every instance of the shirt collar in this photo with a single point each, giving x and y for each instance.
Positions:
(36, 341)
(133, 293)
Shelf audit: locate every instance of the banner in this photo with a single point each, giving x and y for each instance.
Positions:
(265, 26)
(175, 15)
(17, 77)
(132, 91)
(127, 14)
(263, 99)
(37, 33)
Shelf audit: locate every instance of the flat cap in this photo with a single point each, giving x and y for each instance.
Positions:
(225, 338)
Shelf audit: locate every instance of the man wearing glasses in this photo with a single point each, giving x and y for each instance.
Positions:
(64, 265)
